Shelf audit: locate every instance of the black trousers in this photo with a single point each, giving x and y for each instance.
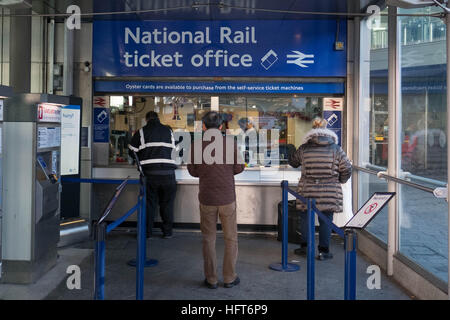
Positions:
(161, 191)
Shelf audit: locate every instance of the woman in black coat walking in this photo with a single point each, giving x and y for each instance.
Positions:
(324, 167)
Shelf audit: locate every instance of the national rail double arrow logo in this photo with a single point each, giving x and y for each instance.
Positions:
(300, 59)
(371, 208)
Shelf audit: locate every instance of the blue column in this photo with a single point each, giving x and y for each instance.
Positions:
(350, 265)
(311, 250)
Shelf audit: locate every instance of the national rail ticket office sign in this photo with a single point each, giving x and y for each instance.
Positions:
(218, 48)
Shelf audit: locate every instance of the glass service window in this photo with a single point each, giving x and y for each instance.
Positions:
(283, 121)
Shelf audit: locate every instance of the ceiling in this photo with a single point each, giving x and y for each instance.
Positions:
(207, 9)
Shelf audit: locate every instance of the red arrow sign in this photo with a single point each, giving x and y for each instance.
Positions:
(99, 101)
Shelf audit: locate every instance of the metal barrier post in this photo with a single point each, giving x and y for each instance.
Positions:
(141, 247)
(142, 206)
(350, 265)
(284, 266)
(310, 249)
(149, 262)
(99, 275)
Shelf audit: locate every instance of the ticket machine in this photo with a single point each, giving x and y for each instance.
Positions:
(31, 180)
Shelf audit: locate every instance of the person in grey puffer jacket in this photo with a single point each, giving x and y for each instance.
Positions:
(324, 167)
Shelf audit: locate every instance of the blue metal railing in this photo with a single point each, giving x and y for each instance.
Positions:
(101, 229)
(350, 245)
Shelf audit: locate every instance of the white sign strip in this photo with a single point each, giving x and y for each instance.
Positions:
(215, 104)
(1, 109)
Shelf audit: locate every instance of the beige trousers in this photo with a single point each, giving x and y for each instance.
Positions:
(208, 226)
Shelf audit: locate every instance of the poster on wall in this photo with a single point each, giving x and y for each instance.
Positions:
(70, 140)
(101, 125)
(332, 112)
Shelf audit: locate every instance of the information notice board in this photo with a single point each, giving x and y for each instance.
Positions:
(70, 140)
(369, 210)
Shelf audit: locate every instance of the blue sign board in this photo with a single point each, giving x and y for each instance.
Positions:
(263, 48)
(334, 119)
(101, 125)
(334, 123)
(217, 87)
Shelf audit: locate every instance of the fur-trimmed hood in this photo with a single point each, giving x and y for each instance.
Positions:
(315, 135)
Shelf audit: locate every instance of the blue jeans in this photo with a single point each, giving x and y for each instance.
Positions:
(324, 230)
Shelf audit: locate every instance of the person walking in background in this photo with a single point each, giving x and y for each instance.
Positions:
(217, 197)
(324, 167)
(153, 145)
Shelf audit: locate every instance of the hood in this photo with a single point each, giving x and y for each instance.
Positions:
(321, 136)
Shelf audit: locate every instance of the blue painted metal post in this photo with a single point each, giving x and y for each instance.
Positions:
(311, 250)
(284, 266)
(149, 262)
(142, 206)
(285, 217)
(141, 248)
(350, 265)
(99, 283)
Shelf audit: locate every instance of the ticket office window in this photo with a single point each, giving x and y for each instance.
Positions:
(284, 121)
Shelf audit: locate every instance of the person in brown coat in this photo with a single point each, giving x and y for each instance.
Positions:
(324, 167)
(217, 197)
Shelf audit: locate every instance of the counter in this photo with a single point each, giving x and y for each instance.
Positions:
(258, 192)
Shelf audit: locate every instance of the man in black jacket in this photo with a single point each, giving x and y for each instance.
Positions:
(153, 145)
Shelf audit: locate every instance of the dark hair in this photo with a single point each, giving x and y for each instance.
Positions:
(151, 115)
(212, 119)
(243, 122)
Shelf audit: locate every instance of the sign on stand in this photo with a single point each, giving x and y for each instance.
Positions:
(369, 210)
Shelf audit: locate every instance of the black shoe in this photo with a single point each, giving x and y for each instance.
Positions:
(302, 251)
(167, 236)
(149, 235)
(325, 256)
(232, 284)
(209, 285)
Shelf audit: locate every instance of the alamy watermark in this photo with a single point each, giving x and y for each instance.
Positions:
(74, 20)
(74, 280)
(374, 280)
(210, 147)
(374, 20)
